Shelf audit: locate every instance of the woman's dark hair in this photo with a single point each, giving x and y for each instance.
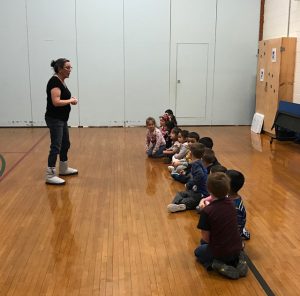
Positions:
(58, 64)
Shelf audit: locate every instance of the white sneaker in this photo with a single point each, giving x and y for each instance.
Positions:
(65, 170)
(171, 168)
(52, 178)
(172, 208)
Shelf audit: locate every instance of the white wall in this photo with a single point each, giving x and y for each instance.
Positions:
(193, 22)
(282, 19)
(15, 102)
(100, 62)
(124, 55)
(235, 57)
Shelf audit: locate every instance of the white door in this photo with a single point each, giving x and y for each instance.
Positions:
(191, 81)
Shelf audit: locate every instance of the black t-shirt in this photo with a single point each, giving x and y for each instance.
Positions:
(219, 218)
(62, 112)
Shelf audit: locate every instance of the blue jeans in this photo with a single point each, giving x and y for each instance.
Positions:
(60, 142)
(158, 153)
(204, 254)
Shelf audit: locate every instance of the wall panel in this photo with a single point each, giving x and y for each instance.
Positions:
(52, 35)
(15, 105)
(235, 61)
(193, 22)
(100, 62)
(147, 37)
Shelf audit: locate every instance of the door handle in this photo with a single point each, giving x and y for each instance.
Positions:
(178, 81)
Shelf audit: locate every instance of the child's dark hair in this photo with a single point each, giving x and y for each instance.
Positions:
(237, 180)
(172, 116)
(184, 133)
(194, 135)
(218, 184)
(149, 119)
(197, 150)
(169, 111)
(176, 130)
(209, 155)
(217, 168)
(207, 142)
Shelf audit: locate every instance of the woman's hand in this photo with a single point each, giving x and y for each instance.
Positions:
(73, 101)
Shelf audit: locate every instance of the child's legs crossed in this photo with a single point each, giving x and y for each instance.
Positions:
(179, 197)
(204, 255)
(191, 200)
(159, 152)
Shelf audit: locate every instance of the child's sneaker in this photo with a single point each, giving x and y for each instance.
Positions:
(225, 270)
(242, 266)
(171, 168)
(246, 234)
(172, 208)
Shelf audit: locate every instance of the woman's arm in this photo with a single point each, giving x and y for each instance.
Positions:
(57, 102)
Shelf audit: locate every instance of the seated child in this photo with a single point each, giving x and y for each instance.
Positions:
(221, 245)
(182, 139)
(180, 169)
(155, 142)
(237, 180)
(169, 152)
(165, 129)
(209, 159)
(172, 117)
(196, 186)
(207, 142)
(206, 201)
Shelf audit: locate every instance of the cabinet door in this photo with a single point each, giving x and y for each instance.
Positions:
(261, 78)
(273, 60)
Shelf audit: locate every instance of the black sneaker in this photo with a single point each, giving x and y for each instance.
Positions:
(225, 270)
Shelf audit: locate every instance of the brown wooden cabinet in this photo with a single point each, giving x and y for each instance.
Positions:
(275, 76)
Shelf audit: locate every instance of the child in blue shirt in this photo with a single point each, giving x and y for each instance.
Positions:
(237, 180)
(196, 186)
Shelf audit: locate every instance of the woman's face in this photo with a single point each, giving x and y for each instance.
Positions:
(66, 70)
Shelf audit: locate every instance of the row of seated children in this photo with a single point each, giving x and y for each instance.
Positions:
(159, 139)
(202, 160)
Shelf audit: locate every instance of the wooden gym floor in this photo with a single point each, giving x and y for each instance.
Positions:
(107, 232)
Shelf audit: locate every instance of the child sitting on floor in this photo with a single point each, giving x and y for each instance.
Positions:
(196, 186)
(221, 246)
(174, 149)
(180, 169)
(155, 142)
(237, 181)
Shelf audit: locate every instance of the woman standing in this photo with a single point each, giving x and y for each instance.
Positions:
(57, 114)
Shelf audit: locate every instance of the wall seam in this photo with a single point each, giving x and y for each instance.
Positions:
(28, 61)
(76, 38)
(214, 67)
